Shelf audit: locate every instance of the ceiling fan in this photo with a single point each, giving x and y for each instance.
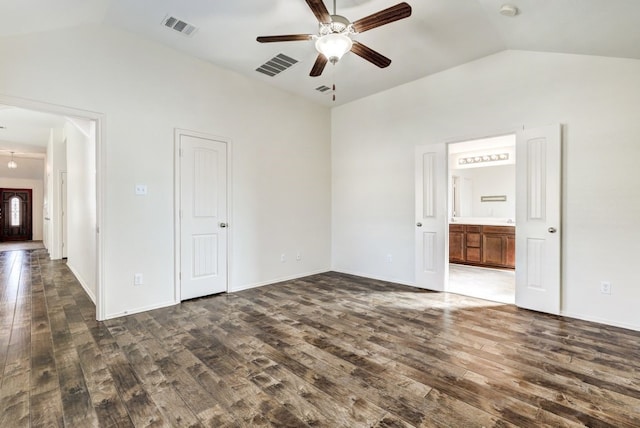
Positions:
(335, 34)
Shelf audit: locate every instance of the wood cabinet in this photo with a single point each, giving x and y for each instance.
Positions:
(491, 246)
(457, 243)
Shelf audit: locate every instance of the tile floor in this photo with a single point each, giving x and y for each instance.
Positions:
(22, 245)
(491, 284)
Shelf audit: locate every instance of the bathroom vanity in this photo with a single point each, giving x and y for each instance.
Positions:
(489, 245)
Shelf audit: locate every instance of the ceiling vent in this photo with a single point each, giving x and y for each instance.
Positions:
(179, 25)
(323, 88)
(276, 65)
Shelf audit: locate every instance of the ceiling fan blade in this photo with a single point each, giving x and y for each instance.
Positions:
(370, 55)
(319, 65)
(392, 14)
(320, 11)
(284, 38)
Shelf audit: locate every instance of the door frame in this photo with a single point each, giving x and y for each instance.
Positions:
(447, 197)
(101, 179)
(177, 234)
(62, 212)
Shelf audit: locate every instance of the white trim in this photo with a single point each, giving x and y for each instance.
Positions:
(140, 310)
(82, 282)
(381, 278)
(101, 175)
(604, 321)
(177, 133)
(275, 281)
(62, 242)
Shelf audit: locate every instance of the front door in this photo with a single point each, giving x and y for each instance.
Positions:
(203, 219)
(16, 215)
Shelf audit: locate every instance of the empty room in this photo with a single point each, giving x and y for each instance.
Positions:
(349, 213)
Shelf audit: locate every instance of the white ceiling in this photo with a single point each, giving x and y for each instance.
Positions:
(439, 35)
(26, 132)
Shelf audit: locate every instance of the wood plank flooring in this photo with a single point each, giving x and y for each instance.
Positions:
(329, 350)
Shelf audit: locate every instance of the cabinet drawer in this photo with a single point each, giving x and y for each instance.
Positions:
(500, 230)
(473, 240)
(456, 228)
(473, 229)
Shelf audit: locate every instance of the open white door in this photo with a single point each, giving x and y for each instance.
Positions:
(203, 216)
(431, 216)
(538, 215)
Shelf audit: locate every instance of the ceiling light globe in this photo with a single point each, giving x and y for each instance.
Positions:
(12, 164)
(333, 46)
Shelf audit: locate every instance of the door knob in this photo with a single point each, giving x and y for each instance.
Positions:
(223, 225)
(419, 224)
(552, 230)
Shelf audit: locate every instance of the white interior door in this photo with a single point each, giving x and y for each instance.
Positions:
(203, 219)
(431, 216)
(538, 216)
(63, 214)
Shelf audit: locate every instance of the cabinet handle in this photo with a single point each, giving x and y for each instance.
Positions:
(552, 230)
(419, 224)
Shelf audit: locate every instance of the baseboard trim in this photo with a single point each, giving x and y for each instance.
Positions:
(82, 282)
(139, 310)
(378, 278)
(275, 281)
(598, 320)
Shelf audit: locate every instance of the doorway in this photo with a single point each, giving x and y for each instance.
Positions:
(35, 112)
(481, 220)
(16, 215)
(538, 218)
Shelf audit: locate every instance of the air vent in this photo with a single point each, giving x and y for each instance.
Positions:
(179, 25)
(323, 88)
(276, 65)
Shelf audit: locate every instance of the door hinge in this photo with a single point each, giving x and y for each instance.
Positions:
(180, 214)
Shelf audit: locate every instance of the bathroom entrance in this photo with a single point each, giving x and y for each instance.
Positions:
(481, 220)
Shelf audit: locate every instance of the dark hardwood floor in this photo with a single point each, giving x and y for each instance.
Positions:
(330, 350)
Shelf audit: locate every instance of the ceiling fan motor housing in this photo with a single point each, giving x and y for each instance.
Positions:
(338, 24)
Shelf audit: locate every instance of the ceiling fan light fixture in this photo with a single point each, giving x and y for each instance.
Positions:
(12, 164)
(333, 46)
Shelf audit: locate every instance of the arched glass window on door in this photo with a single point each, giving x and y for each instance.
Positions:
(15, 211)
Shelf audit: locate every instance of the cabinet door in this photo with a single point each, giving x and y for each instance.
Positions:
(493, 249)
(456, 246)
(473, 248)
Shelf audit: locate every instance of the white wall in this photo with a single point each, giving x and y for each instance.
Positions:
(491, 181)
(597, 100)
(37, 194)
(280, 165)
(81, 202)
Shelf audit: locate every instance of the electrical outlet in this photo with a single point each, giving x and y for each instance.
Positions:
(283, 257)
(605, 287)
(389, 258)
(138, 279)
(298, 256)
(141, 189)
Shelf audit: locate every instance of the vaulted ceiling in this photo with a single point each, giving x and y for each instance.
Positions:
(439, 34)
